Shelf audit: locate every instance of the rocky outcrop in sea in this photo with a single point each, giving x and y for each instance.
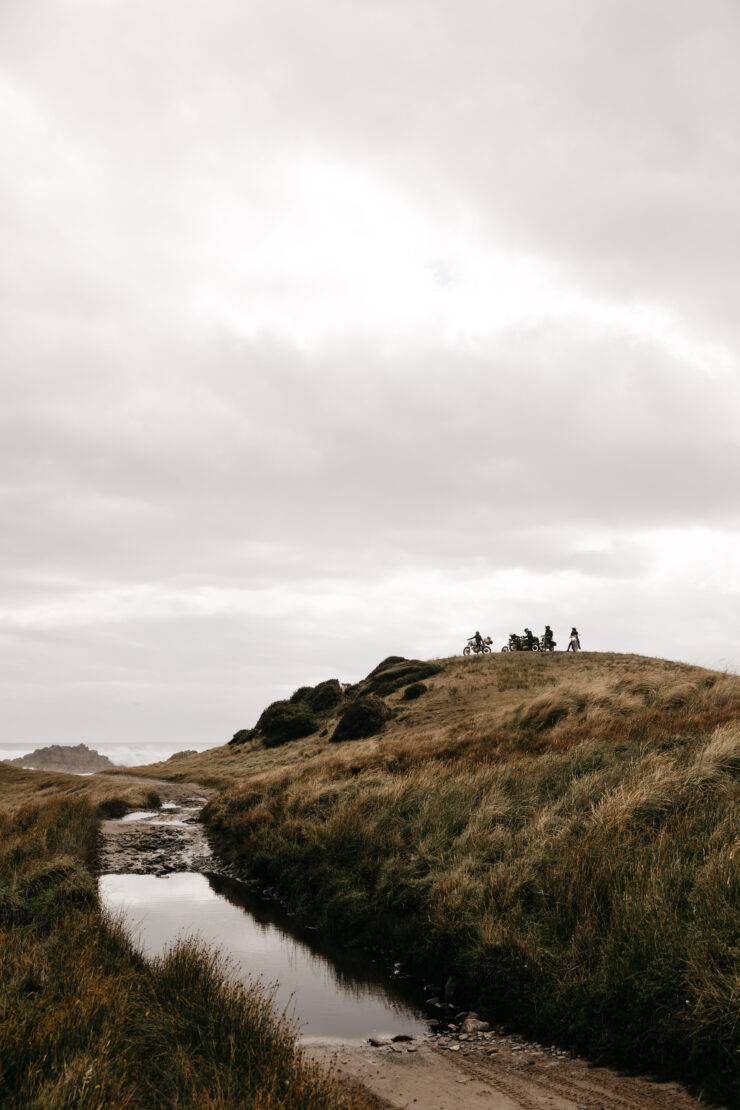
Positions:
(75, 759)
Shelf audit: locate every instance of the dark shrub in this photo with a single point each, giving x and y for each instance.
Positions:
(301, 694)
(112, 807)
(282, 721)
(363, 717)
(321, 698)
(415, 690)
(388, 662)
(325, 696)
(243, 736)
(398, 674)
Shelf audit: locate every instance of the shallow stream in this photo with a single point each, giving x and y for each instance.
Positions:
(329, 993)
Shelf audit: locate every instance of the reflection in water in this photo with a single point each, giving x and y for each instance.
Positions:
(328, 993)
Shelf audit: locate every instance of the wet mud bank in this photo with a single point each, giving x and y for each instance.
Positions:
(159, 841)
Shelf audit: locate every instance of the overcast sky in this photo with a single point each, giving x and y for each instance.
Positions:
(342, 329)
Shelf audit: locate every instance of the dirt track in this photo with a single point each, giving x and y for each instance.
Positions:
(171, 839)
(502, 1076)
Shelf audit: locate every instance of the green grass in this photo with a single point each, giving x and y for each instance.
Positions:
(86, 1023)
(561, 835)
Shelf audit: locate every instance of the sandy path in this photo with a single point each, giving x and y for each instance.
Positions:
(485, 1071)
(502, 1076)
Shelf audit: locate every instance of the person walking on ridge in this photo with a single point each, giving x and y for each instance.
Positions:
(575, 642)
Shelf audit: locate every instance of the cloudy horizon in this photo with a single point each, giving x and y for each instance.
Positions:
(336, 331)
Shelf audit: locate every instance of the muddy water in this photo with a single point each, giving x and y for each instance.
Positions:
(327, 992)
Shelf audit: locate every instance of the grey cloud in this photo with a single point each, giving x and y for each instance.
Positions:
(602, 136)
(157, 434)
(228, 473)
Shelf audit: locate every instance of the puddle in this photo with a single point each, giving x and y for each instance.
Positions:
(139, 815)
(329, 993)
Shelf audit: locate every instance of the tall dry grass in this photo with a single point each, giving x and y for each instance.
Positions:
(572, 859)
(20, 787)
(86, 1023)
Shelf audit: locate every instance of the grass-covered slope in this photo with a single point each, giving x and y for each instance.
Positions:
(559, 833)
(85, 1023)
(19, 787)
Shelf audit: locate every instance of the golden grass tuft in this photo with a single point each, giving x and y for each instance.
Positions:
(84, 1022)
(19, 787)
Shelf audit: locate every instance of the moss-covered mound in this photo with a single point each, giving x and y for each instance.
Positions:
(292, 719)
(363, 717)
(384, 664)
(319, 699)
(394, 673)
(283, 721)
(243, 736)
(415, 690)
(360, 708)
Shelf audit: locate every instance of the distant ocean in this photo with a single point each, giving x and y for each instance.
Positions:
(123, 755)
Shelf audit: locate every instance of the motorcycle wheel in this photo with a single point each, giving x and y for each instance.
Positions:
(504, 648)
(466, 649)
(486, 650)
(535, 647)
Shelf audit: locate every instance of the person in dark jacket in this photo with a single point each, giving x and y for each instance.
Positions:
(575, 641)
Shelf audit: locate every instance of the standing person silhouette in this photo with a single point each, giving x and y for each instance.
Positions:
(575, 642)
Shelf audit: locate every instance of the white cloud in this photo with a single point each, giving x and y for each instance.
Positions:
(348, 328)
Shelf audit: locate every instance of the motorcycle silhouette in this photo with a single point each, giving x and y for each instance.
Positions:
(521, 643)
(482, 648)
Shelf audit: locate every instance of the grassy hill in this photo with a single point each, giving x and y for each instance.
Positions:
(523, 704)
(558, 833)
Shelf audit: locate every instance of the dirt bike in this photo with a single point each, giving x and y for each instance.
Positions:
(521, 643)
(483, 648)
(547, 645)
